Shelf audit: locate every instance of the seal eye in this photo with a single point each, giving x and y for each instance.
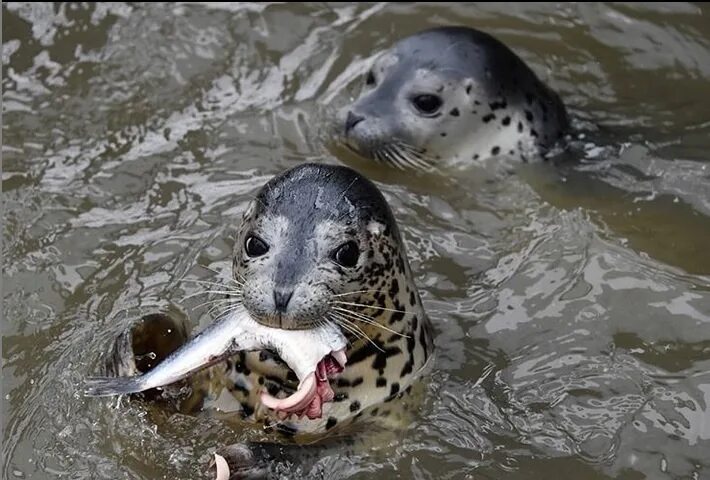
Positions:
(255, 247)
(370, 80)
(426, 103)
(347, 254)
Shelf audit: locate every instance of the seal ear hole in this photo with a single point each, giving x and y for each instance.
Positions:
(347, 254)
(370, 79)
(427, 103)
(255, 246)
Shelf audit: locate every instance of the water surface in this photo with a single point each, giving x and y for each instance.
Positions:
(571, 304)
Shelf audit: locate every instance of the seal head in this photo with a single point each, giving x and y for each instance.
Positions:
(451, 94)
(304, 241)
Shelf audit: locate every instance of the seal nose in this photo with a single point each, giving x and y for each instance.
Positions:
(352, 120)
(281, 299)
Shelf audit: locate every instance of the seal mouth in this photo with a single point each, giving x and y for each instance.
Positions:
(313, 391)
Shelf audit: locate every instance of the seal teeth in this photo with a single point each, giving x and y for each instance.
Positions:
(340, 357)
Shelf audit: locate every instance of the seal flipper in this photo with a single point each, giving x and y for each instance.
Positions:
(265, 460)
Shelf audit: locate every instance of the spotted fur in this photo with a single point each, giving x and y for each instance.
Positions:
(321, 206)
(491, 103)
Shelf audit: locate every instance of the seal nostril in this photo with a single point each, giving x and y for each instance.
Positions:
(352, 120)
(281, 299)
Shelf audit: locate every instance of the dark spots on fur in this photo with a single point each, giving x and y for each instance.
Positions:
(356, 382)
(520, 127)
(332, 421)
(533, 133)
(355, 406)
(394, 390)
(474, 112)
(407, 369)
(495, 150)
(476, 102)
(488, 117)
(261, 380)
(381, 382)
(340, 396)
(342, 382)
(241, 388)
(443, 134)
(498, 105)
(410, 345)
(454, 112)
(476, 156)
(528, 116)
(380, 362)
(511, 152)
(506, 121)
(415, 323)
(240, 367)
(366, 351)
(468, 89)
(396, 317)
(247, 410)
(374, 412)
(412, 298)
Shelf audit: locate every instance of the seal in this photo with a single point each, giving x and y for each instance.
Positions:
(450, 95)
(319, 243)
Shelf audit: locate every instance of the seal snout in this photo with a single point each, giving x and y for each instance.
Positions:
(351, 120)
(281, 299)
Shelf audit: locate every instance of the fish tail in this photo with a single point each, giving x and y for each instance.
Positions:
(107, 386)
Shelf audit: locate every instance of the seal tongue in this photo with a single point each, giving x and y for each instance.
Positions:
(313, 391)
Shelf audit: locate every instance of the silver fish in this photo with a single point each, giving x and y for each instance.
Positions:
(235, 332)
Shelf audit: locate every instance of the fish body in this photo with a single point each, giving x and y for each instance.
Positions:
(237, 331)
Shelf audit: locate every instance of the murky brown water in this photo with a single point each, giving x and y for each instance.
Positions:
(571, 304)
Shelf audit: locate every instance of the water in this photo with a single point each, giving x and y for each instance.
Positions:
(571, 303)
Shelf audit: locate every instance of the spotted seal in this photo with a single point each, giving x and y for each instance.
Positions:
(450, 95)
(319, 243)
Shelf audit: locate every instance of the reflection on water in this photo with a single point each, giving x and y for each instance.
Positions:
(571, 303)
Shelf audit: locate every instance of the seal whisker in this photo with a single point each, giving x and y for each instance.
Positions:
(368, 320)
(392, 159)
(415, 156)
(215, 307)
(397, 154)
(210, 302)
(369, 306)
(346, 326)
(206, 292)
(352, 325)
(359, 291)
